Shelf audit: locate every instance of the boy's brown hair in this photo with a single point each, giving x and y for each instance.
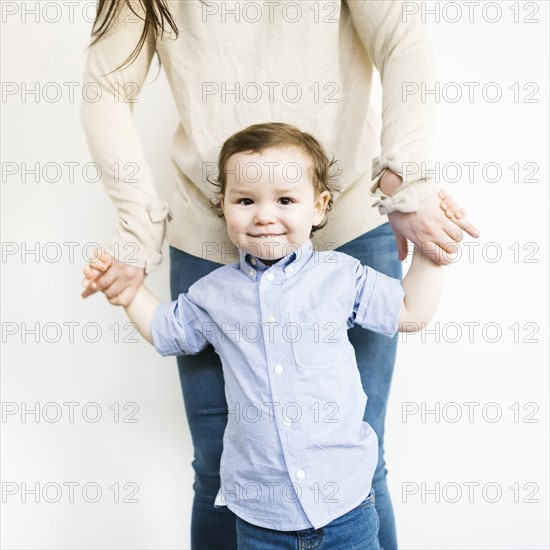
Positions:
(258, 137)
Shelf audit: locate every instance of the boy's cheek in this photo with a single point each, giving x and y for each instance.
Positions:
(231, 229)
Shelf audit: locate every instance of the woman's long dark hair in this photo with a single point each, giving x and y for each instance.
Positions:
(157, 15)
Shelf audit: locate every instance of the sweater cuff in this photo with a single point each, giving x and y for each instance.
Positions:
(138, 242)
(416, 186)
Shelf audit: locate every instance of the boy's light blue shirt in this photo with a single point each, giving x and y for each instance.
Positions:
(297, 453)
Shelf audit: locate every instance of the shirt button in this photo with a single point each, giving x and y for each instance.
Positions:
(271, 319)
(251, 272)
(270, 276)
(279, 369)
(253, 261)
(300, 474)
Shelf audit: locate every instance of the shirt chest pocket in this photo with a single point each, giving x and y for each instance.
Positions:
(318, 338)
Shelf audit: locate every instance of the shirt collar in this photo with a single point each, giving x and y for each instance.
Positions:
(286, 267)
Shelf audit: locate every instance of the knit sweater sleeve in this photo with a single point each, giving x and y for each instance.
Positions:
(107, 118)
(400, 49)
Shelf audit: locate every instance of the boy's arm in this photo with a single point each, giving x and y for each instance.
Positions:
(385, 304)
(140, 311)
(424, 281)
(179, 324)
(422, 284)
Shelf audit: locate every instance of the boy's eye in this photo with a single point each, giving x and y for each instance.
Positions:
(240, 201)
(285, 199)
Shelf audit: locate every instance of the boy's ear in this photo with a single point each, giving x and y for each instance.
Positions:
(221, 201)
(321, 205)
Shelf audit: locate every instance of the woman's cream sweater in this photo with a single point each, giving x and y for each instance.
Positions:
(307, 63)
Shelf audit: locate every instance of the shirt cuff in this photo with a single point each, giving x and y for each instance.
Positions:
(162, 332)
(139, 236)
(380, 304)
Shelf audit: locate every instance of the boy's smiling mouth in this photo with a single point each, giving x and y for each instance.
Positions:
(264, 235)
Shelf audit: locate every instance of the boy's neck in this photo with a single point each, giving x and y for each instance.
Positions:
(270, 262)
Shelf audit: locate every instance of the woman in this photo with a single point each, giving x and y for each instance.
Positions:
(230, 65)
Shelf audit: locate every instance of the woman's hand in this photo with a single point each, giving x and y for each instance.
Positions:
(436, 226)
(117, 280)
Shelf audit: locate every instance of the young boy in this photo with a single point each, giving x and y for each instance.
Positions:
(298, 458)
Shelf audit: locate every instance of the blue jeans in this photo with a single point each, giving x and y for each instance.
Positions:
(203, 393)
(356, 530)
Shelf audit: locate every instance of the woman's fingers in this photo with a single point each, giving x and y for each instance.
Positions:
(457, 215)
(469, 228)
(95, 268)
(104, 283)
(435, 252)
(90, 276)
(98, 265)
(101, 262)
(458, 219)
(89, 272)
(452, 208)
(452, 231)
(115, 288)
(452, 235)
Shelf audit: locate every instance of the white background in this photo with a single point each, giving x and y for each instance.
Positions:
(445, 368)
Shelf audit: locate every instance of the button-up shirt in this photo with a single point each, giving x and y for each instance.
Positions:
(296, 451)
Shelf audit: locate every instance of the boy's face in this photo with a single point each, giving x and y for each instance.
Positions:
(270, 203)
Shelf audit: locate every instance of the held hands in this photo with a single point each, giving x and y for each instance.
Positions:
(436, 226)
(118, 281)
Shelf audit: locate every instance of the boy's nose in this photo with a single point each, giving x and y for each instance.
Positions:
(264, 215)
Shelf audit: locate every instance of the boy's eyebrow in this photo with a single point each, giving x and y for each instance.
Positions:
(248, 191)
(239, 191)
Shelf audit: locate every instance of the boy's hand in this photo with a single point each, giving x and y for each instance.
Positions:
(118, 281)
